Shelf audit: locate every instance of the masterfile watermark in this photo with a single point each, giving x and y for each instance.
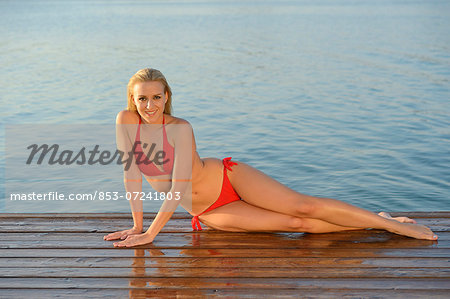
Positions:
(95, 160)
(105, 157)
(96, 195)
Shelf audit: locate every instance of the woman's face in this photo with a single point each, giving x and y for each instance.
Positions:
(150, 98)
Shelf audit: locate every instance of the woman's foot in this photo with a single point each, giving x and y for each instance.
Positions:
(417, 231)
(409, 227)
(134, 240)
(399, 219)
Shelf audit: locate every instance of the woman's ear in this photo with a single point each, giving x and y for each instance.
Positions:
(134, 100)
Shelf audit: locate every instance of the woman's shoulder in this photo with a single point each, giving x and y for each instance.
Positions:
(127, 117)
(182, 128)
(170, 119)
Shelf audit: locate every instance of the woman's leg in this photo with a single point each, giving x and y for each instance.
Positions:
(241, 216)
(258, 189)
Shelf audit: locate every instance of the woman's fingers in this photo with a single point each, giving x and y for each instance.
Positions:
(110, 237)
(122, 235)
(121, 243)
(115, 236)
(134, 240)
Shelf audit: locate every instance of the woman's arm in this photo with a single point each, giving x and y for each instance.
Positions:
(125, 127)
(181, 185)
(181, 177)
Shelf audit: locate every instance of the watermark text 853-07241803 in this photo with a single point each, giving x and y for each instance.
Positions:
(96, 195)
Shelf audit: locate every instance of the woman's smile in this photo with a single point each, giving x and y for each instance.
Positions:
(150, 99)
(151, 113)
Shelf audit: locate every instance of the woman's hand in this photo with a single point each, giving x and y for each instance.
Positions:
(134, 240)
(122, 234)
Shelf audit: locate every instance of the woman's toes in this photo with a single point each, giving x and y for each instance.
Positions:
(385, 215)
(399, 219)
(405, 220)
(428, 233)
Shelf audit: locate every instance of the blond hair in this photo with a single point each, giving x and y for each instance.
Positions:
(145, 75)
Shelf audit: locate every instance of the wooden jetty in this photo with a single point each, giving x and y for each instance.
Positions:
(64, 255)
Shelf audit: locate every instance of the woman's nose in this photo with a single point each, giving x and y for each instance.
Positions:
(149, 104)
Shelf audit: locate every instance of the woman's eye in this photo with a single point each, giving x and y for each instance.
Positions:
(157, 97)
(141, 99)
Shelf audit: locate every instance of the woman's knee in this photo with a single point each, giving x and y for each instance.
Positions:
(301, 225)
(307, 206)
(295, 224)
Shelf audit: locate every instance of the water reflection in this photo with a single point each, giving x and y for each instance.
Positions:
(213, 260)
(161, 276)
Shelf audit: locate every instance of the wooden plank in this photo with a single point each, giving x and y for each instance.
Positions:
(172, 228)
(101, 221)
(418, 214)
(228, 293)
(319, 293)
(220, 240)
(227, 252)
(177, 215)
(227, 283)
(226, 272)
(220, 262)
(356, 235)
(106, 220)
(110, 225)
(364, 236)
(94, 244)
(44, 293)
(422, 214)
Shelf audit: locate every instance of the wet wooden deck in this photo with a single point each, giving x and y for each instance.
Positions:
(46, 255)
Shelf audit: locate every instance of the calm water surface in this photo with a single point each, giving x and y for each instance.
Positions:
(341, 99)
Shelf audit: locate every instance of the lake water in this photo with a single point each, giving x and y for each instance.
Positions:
(334, 98)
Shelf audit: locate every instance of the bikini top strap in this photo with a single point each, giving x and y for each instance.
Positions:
(138, 130)
(164, 128)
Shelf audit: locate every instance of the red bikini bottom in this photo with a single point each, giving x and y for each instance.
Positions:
(227, 194)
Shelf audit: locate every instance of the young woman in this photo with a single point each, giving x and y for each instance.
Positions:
(224, 194)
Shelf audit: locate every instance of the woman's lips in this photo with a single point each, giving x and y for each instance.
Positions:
(150, 113)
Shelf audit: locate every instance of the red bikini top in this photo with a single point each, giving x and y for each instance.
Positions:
(148, 167)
